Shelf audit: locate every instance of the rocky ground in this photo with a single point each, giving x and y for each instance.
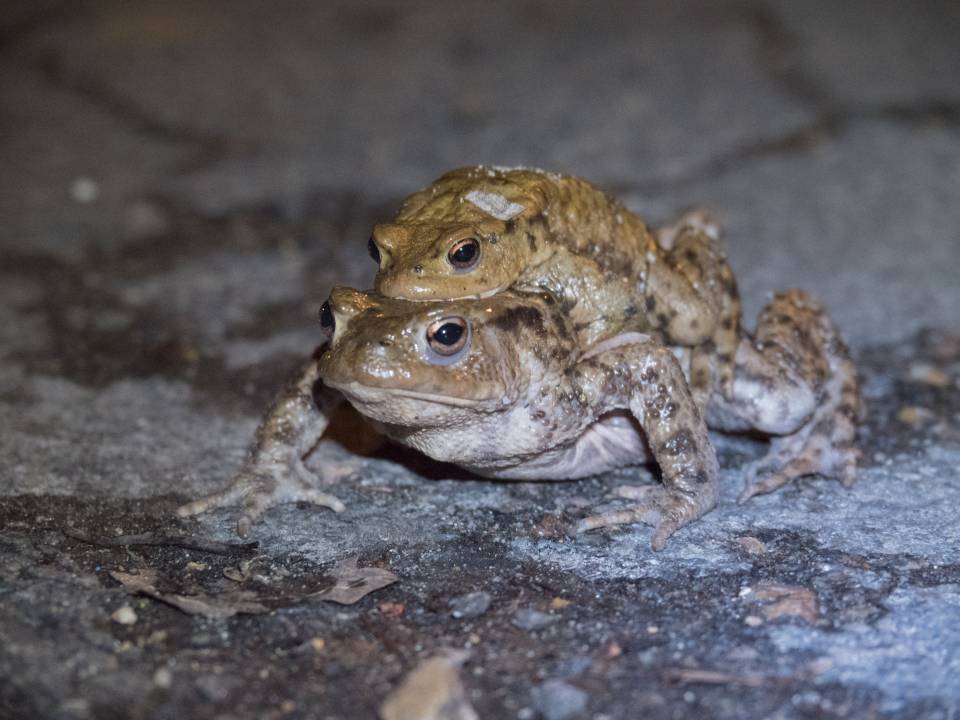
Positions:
(182, 183)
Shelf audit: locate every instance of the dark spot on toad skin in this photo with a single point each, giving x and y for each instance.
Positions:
(730, 323)
(510, 226)
(630, 311)
(680, 443)
(701, 478)
(512, 318)
(650, 375)
(651, 304)
(537, 220)
(729, 283)
(532, 241)
(708, 346)
(690, 255)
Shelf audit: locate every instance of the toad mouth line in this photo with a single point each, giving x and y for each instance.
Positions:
(363, 392)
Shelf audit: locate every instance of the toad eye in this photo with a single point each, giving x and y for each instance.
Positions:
(327, 321)
(447, 336)
(464, 254)
(373, 250)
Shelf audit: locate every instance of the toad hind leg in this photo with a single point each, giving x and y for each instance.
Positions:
(796, 381)
(274, 473)
(693, 297)
(632, 371)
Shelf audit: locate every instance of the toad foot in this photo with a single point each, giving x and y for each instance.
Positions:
(260, 486)
(665, 510)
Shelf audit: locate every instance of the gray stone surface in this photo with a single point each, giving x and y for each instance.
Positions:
(183, 183)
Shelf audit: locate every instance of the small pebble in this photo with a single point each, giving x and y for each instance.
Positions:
(470, 605)
(913, 415)
(144, 219)
(163, 678)
(84, 190)
(527, 619)
(751, 545)
(928, 374)
(124, 615)
(558, 700)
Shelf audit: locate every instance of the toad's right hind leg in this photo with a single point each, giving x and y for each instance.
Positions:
(796, 382)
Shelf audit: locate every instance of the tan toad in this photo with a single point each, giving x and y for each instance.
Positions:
(504, 387)
(477, 231)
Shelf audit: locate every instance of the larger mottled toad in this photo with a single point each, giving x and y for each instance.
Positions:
(503, 386)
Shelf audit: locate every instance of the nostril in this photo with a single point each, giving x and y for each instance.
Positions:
(327, 321)
(373, 250)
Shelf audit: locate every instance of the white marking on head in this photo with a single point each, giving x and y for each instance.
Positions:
(494, 204)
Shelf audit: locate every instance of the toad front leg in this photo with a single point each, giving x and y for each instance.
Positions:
(631, 371)
(274, 472)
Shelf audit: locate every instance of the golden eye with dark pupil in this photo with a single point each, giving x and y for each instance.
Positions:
(373, 250)
(465, 253)
(447, 336)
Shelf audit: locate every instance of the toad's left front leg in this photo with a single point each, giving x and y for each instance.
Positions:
(631, 371)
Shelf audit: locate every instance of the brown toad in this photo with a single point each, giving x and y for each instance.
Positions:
(503, 387)
(477, 231)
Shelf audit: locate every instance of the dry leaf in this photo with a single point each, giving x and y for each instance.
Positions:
(790, 601)
(214, 606)
(685, 676)
(354, 583)
(433, 691)
(259, 593)
(232, 573)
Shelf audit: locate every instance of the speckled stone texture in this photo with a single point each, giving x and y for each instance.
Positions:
(181, 185)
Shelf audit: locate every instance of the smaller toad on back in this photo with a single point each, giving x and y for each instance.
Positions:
(477, 231)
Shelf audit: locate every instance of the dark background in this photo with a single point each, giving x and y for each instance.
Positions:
(182, 183)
